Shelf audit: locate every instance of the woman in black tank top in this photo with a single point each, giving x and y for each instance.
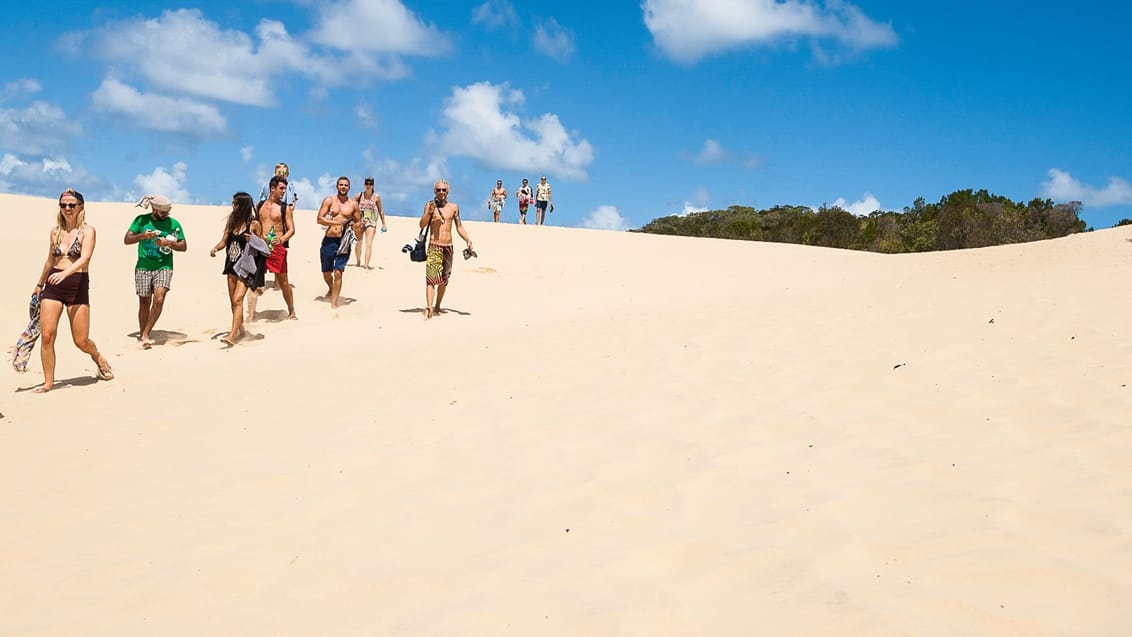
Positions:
(234, 242)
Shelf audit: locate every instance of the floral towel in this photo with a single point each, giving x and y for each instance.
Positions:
(21, 353)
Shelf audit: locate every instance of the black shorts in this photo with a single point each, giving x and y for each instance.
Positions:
(73, 290)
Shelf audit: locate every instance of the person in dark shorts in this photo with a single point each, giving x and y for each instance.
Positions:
(64, 283)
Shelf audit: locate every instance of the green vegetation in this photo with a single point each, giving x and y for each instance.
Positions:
(963, 219)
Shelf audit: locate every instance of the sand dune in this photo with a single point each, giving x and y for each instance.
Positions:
(607, 434)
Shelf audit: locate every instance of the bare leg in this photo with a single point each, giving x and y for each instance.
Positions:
(328, 278)
(253, 300)
(370, 234)
(282, 283)
(154, 314)
(49, 312)
(439, 297)
(335, 287)
(143, 316)
(237, 289)
(523, 218)
(79, 315)
(430, 292)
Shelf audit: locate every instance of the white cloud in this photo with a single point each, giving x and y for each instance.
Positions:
(866, 206)
(1063, 187)
(554, 41)
(401, 184)
(20, 87)
(158, 112)
(41, 176)
(711, 153)
(246, 153)
(605, 218)
(311, 195)
(382, 26)
(477, 125)
(689, 209)
(170, 183)
(366, 117)
(229, 65)
(9, 163)
(688, 30)
(220, 64)
(39, 129)
(495, 14)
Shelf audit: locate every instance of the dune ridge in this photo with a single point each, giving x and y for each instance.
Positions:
(608, 433)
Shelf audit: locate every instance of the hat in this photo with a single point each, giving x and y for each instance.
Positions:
(74, 193)
(155, 202)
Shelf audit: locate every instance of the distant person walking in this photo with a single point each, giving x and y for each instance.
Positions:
(497, 199)
(278, 222)
(369, 202)
(65, 282)
(342, 219)
(236, 244)
(543, 199)
(157, 235)
(439, 215)
(290, 197)
(524, 194)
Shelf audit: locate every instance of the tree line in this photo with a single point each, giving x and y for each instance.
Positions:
(963, 219)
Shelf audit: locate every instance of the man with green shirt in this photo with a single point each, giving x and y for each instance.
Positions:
(157, 235)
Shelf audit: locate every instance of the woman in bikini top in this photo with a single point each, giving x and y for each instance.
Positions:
(74, 252)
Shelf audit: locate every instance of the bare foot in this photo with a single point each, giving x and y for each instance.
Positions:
(427, 313)
(228, 341)
(42, 389)
(104, 371)
(293, 317)
(436, 311)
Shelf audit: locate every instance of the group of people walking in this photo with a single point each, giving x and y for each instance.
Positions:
(254, 241)
(540, 195)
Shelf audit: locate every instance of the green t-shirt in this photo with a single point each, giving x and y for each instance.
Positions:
(151, 257)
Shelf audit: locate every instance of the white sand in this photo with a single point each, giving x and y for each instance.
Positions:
(608, 434)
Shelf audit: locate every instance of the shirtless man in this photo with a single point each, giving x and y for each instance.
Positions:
(278, 223)
(524, 194)
(438, 215)
(496, 199)
(335, 213)
(543, 198)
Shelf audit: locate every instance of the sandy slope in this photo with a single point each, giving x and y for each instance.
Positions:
(608, 434)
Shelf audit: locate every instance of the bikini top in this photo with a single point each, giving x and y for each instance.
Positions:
(74, 252)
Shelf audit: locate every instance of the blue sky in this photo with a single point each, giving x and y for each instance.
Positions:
(632, 110)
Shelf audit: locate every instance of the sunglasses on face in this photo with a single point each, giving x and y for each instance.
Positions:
(69, 206)
(441, 190)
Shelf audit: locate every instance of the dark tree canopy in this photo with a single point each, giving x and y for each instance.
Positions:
(963, 219)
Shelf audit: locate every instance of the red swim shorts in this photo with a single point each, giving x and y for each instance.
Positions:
(277, 260)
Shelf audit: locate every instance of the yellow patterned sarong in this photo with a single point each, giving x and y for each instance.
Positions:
(438, 266)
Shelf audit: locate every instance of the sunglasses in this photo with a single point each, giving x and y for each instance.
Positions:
(69, 206)
(441, 190)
